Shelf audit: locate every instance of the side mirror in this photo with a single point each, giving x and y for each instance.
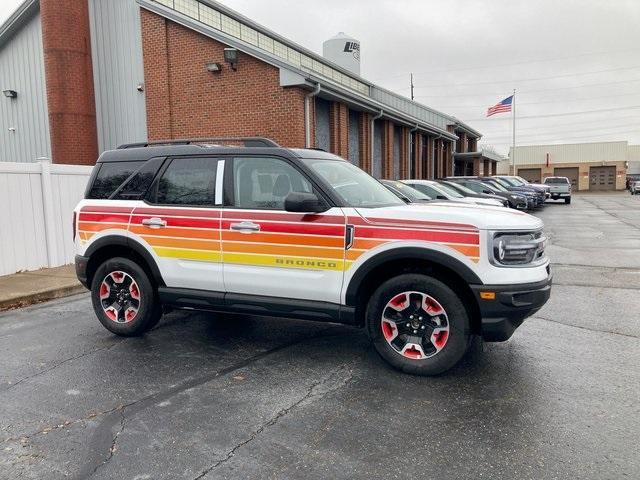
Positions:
(300, 202)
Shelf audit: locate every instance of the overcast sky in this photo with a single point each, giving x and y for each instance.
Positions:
(562, 56)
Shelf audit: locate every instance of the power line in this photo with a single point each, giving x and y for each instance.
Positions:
(524, 62)
(531, 91)
(548, 101)
(506, 81)
(543, 135)
(584, 112)
(573, 129)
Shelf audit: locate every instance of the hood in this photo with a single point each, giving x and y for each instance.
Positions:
(478, 216)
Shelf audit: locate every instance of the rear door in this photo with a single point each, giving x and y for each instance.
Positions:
(268, 251)
(179, 223)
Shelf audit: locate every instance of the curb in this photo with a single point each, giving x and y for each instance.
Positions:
(40, 296)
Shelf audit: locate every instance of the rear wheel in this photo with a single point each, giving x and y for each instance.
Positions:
(124, 299)
(418, 324)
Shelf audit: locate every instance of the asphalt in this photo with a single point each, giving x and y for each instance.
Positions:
(211, 396)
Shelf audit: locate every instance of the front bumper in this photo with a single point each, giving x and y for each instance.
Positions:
(81, 270)
(509, 307)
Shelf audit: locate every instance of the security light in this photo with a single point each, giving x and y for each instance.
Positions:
(10, 93)
(214, 67)
(231, 57)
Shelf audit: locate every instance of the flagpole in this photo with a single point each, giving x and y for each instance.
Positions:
(513, 147)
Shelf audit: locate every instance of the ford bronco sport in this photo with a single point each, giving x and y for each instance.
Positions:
(253, 228)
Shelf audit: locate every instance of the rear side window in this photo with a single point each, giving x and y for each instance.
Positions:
(110, 177)
(138, 185)
(558, 180)
(187, 181)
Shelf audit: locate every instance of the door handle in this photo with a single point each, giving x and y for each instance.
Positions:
(245, 227)
(154, 222)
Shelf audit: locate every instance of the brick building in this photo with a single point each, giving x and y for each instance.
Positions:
(93, 74)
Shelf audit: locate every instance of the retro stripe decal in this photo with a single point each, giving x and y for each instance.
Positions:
(313, 242)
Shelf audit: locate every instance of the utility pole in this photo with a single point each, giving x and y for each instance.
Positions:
(513, 148)
(412, 97)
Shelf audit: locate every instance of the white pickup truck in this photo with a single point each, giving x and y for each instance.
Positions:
(560, 188)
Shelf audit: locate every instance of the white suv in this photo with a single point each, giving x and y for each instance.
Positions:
(263, 230)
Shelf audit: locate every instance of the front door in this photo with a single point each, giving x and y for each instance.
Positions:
(268, 251)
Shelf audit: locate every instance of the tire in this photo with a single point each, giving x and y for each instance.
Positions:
(444, 324)
(114, 288)
(567, 200)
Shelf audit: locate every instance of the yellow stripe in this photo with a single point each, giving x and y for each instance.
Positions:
(199, 255)
(303, 263)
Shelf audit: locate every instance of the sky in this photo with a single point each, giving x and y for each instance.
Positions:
(575, 64)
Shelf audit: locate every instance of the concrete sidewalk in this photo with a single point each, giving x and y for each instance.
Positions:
(26, 288)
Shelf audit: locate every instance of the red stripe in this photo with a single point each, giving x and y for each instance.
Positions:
(282, 217)
(104, 217)
(181, 222)
(410, 223)
(182, 212)
(440, 237)
(293, 228)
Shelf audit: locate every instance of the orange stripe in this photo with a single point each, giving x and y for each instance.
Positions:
(285, 239)
(284, 250)
(176, 232)
(468, 251)
(365, 244)
(180, 243)
(98, 227)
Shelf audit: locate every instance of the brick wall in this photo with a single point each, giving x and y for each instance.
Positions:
(365, 134)
(184, 100)
(404, 153)
(69, 81)
(387, 149)
(339, 129)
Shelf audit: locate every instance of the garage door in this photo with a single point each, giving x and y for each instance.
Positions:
(570, 172)
(533, 175)
(602, 178)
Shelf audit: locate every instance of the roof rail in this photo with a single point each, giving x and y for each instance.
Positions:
(246, 141)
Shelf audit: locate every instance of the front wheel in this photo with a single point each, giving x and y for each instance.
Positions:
(124, 299)
(418, 324)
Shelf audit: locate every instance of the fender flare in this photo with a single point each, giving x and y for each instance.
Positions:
(408, 253)
(139, 249)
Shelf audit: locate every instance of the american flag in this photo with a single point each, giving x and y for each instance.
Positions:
(503, 106)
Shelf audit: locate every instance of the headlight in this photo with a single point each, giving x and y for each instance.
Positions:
(518, 249)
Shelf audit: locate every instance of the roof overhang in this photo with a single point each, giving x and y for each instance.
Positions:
(483, 154)
(18, 19)
(291, 76)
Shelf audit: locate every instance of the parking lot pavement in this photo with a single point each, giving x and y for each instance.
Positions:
(210, 396)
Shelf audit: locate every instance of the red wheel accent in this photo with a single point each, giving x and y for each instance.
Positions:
(104, 290)
(415, 325)
(135, 293)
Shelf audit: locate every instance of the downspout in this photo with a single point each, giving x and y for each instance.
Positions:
(307, 114)
(373, 136)
(411, 146)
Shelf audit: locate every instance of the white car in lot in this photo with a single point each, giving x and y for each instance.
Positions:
(439, 191)
(559, 188)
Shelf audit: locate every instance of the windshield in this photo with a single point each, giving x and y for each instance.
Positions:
(493, 183)
(514, 181)
(409, 192)
(461, 188)
(559, 180)
(354, 186)
(524, 181)
(505, 182)
(448, 190)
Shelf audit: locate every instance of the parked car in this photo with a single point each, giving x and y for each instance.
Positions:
(538, 195)
(264, 230)
(438, 191)
(406, 193)
(519, 181)
(514, 200)
(468, 193)
(560, 188)
(635, 188)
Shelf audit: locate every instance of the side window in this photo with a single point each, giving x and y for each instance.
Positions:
(138, 185)
(110, 177)
(264, 183)
(187, 181)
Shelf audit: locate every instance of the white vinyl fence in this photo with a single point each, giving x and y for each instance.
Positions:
(36, 214)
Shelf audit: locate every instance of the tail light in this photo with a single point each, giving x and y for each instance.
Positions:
(74, 226)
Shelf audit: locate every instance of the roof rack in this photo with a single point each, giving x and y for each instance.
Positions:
(254, 142)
